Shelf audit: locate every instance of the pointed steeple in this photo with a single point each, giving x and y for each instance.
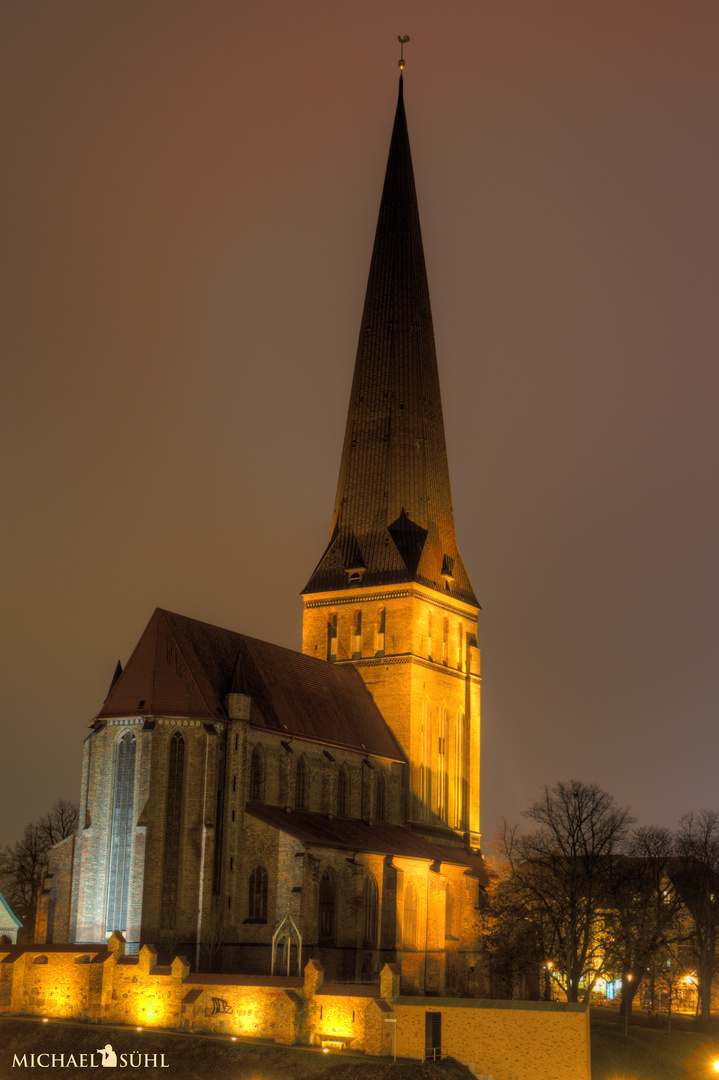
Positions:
(393, 519)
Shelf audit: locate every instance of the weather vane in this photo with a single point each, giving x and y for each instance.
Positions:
(402, 39)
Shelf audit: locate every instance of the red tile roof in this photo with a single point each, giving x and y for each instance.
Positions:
(182, 667)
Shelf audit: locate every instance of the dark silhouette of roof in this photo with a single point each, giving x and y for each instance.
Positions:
(355, 835)
(393, 516)
(184, 668)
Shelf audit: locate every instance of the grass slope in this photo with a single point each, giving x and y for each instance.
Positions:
(194, 1058)
(650, 1054)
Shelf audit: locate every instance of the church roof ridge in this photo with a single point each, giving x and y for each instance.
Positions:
(182, 667)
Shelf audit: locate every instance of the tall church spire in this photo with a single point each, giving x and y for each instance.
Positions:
(393, 519)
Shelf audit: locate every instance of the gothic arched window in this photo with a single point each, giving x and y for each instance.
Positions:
(257, 894)
(371, 912)
(380, 811)
(442, 765)
(121, 833)
(326, 912)
(409, 927)
(173, 825)
(301, 785)
(257, 775)
(343, 791)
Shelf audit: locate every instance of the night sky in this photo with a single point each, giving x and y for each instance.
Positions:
(190, 192)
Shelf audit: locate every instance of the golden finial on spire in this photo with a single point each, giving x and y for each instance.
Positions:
(402, 39)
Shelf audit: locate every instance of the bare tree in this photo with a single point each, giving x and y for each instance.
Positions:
(22, 865)
(696, 879)
(642, 915)
(560, 871)
(59, 822)
(213, 936)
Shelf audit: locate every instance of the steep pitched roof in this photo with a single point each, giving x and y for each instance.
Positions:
(182, 667)
(393, 512)
(355, 835)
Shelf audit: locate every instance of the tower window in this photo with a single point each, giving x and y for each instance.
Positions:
(445, 642)
(357, 637)
(381, 615)
(332, 636)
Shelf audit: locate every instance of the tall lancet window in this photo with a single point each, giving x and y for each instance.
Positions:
(460, 647)
(332, 636)
(357, 636)
(301, 785)
(326, 912)
(121, 833)
(442, 765)
(371, 912)
(460, 784)
(173, 828)
(464, 798)
(426, 766)
(445, 642)
(381, 617)
(343, 791)
(257, 775)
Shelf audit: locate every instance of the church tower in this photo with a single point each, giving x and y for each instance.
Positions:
(391, 595)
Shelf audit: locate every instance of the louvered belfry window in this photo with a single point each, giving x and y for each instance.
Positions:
(121, 835)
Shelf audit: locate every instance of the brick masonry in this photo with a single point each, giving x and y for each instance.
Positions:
(508, 1040)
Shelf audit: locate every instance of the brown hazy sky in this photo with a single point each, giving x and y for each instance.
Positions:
(189, 195)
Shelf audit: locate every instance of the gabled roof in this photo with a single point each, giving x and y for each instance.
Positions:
(8, 918)
(357, 836)
(393, 512)
(182, 667)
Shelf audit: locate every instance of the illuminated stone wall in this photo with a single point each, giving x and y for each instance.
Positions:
(509, 1040)
(428, 666)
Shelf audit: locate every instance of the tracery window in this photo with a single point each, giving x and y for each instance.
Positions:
(381, 798)
(257, 894)
(173, 826)
(121, 833)
(409, 922)
(326, 912)
(371, 912)
(301, 784)
(257, 774)
(343, 791)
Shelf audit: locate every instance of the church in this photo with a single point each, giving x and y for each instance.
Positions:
(251, 807)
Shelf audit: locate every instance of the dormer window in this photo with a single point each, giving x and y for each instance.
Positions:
(355, 575)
